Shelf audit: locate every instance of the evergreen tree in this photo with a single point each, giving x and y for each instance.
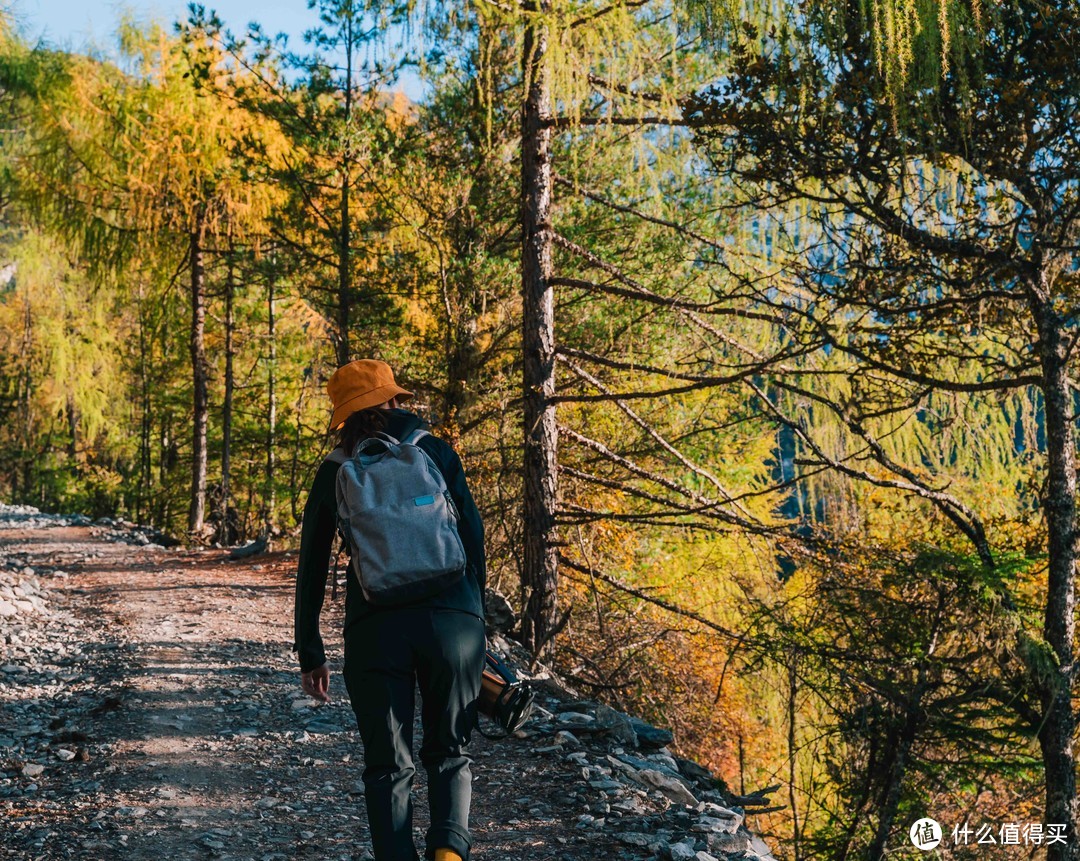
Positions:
(936, 263)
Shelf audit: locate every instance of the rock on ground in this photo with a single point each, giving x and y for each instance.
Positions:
(150, 708)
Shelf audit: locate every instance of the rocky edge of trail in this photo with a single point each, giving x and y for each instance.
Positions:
(150, 707)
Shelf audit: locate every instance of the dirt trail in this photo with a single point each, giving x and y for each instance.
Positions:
(168, 675)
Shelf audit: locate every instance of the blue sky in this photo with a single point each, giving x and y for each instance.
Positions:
(75, 24)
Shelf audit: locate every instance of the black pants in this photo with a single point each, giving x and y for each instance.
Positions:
(386, 655)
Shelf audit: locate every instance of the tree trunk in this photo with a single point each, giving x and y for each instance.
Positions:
(163, 507)
(792, 718)
(199, 379)
(72, 411)
(462, 357)
(540, 574)
(227, 408)
(270, 495)
(294, 489)
(344, 273)
(1059, 624)
(344, 278)
(892, 791)
(145, 478)
(27, 351)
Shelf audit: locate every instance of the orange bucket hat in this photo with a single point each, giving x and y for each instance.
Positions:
(359, 385)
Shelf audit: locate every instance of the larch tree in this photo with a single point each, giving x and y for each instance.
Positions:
(121, 159)
(938, 251)
(574, 57)
(331, 104)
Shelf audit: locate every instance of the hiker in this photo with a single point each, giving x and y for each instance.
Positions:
(437, 641)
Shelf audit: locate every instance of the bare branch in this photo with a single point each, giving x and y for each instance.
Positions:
(573, 122)
(651, 599)
(657, 438)
(964, 518)
(652, 219)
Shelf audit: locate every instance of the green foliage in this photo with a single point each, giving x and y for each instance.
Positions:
(913, 42)
(801, 462)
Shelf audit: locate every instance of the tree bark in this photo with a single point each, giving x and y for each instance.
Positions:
(227, 406)
(294, 488)
(792, 742)
(889, 804)
(72, 411)
(162, 505)
(344, 273)
(270, 494)
(199, 374)
(27, 351)
(540, 563)
(142, 505)
(1059, 624)
(344, 278)
(892, 790)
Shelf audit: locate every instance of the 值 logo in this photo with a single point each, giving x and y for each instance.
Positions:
(925, 834)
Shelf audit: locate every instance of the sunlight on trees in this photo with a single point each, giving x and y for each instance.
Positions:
(754, 324)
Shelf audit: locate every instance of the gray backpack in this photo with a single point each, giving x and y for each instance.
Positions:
(399, 520)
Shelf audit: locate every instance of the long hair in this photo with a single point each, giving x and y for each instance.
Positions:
(359, 426)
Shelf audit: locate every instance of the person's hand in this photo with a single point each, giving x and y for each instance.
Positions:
(316, 683)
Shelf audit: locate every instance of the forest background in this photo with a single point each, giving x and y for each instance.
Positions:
(754, 324)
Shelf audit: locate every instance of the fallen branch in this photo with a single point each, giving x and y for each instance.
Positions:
(757, 798)
(774, 809)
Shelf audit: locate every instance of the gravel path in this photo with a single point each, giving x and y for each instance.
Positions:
(150, 707)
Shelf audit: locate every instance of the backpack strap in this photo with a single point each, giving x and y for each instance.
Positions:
(339, 457)
(412, 438)
(385, 440)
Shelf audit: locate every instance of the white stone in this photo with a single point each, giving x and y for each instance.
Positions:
(715, 811)
(760, 848)
(669, 786)
(705, 824)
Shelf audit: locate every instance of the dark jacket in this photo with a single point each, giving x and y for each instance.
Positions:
(320, 527)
